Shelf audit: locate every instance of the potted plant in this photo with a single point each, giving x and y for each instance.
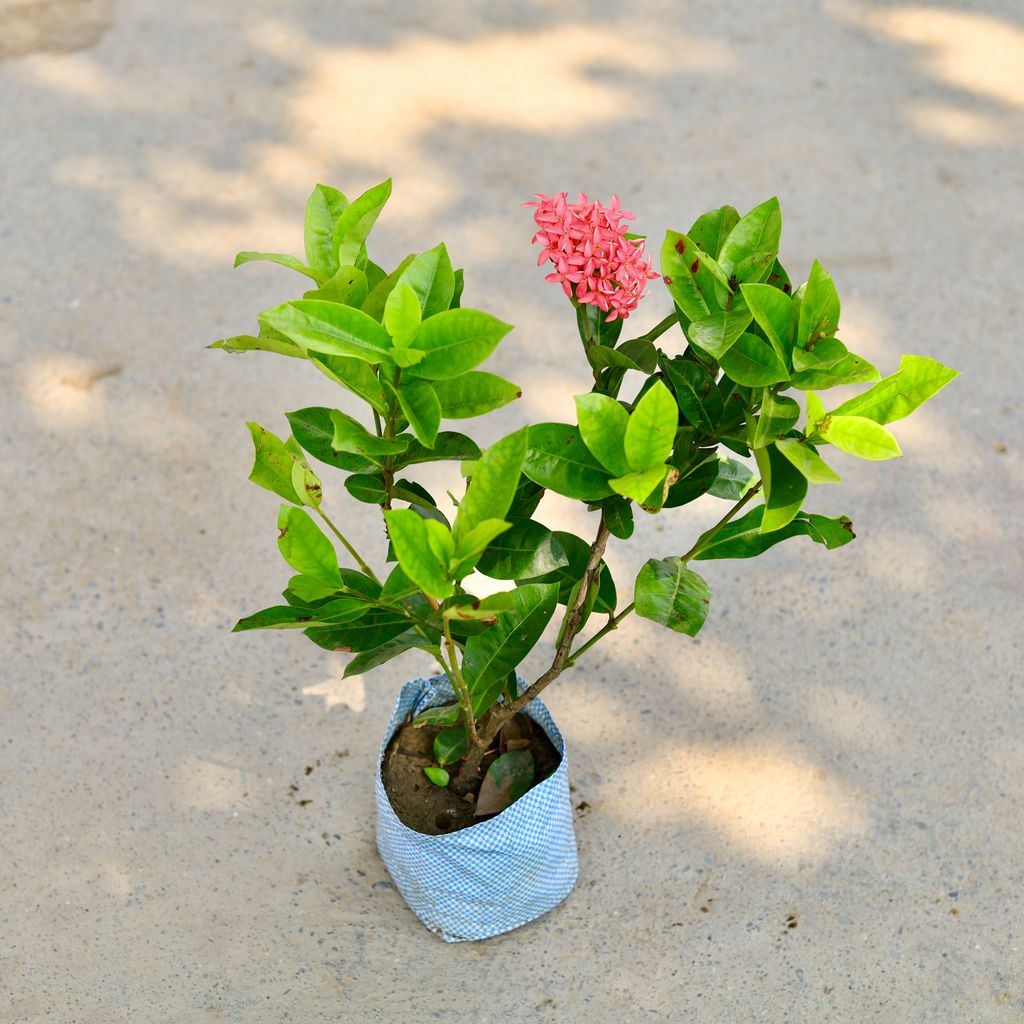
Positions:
(474, 819)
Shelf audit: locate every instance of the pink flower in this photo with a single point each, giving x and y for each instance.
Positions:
(594, 261)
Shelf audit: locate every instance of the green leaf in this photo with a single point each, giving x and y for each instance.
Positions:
(857, 435)
(525, 550)
(402, 315)
(336, 330)
(323, 211)
(669, 593)
(305, 548)
(709, 232)
(455, 341)
(490, 656)
(603, 422)
(378, 297)
(432, 280)
(774, 313)
(651, 431)
(819, 308)
(355, 376)
(357, 220)
(785, 488)
(449, 446)
(351, 436)
(280, 467)
(467, 608)
(314, 430)
(373, 630)
(411, 541)
(594, 328)
(851, 370)
(422, 409)
(279, 257)
(825, 354)
(471, 545)
(438, 776)
(679, 270)
(699, 399)
(618, 517)
(777, 416)
(450, 746)
(732, 481)
(268, 341)
(367, 487)
(367, 660)
(638, 486)
(493, 485)
(279, 617)
(509, 777)
(447, 715)
(577, 553)
(696, 481)
(750, 250)
(917, 380)
(716, 333)
(815, 413)
(809, 462)
(637, 354)
(743, 538)
(347, 286)
(473, 394)
(305, 591)
(753, 362)
(558, 460)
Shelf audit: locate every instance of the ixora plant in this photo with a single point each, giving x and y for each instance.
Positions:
(474, 819)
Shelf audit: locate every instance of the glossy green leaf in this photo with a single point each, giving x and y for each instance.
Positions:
(357, 220)
(279, 467)
(594, 328)
(634, 355)
(279, 617)
(368, 633)
(411, 542)
(637, 486)
(490, 656)
(508, 778)
(421, 407)
(447, 715)
(815, 413)
(467, 608)
(438, 776)
(525, 550)
(269, 340)
(776, 417)
(651, 431)
(281, 258)
(377, 299)
(314, 430)
(753, 362)
(691, 484)
(699, 399)
(709, 232)
(785, 488)
(775, 314)
(449, 446)
(679, 269)
(851, 370)
(825, 353)
(347, 286)
(733, 479)
(450, 746)
(351, 436)
(603, 422)
(456, 341)
(367, 660)
(432, 280)
(473, 394)
(673, 595)
(809, 462)
(354, 375)
(618, 517)
(743, 537)
(327, 327)
(305, 548)
(323, 211)
(402, 315)
(558, 460)
(367, 487)
(819, 308)
(304, 591)
(492, 486)
(577, 554)
(750, 250)
(898, 395)
(857, 435)
(716, 333)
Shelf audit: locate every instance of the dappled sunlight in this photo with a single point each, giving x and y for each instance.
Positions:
(955, 126)
(337, 692)
(764, 798)
(209, 785)
(65, 391)
(847, 717)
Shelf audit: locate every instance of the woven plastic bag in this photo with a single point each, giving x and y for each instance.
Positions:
(492, 877)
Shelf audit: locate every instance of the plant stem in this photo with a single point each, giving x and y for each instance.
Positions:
(613, 623)
(659, 329)
(460, 684)
(351, 550)
(702, 541)
(572, 624)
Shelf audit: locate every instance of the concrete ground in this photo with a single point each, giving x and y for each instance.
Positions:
(812, 813)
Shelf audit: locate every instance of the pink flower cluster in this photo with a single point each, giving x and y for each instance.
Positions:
(594, 260)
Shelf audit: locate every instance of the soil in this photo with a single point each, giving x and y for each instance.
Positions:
(436, 810)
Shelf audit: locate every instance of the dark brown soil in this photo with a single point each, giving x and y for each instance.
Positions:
(435, 810)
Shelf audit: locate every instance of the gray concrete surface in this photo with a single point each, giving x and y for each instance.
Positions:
(842, 748)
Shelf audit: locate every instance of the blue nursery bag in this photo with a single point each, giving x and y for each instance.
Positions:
(492, 877)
